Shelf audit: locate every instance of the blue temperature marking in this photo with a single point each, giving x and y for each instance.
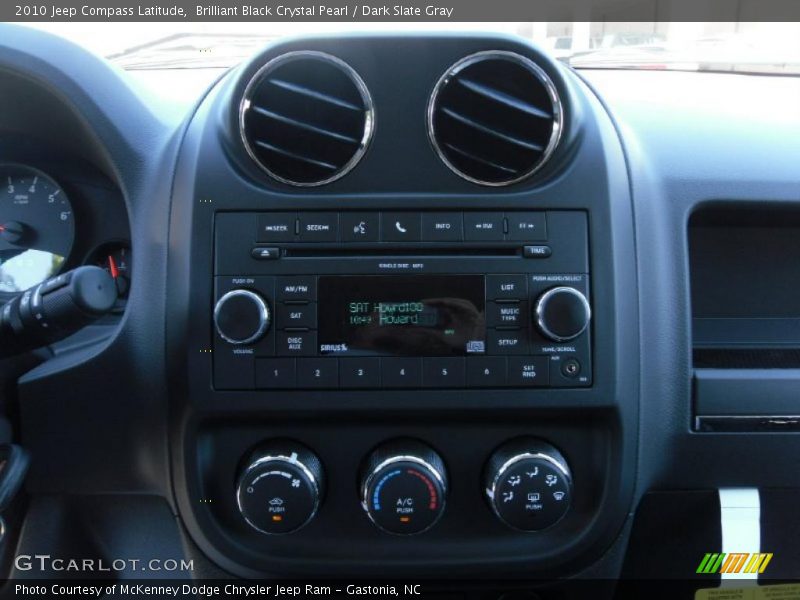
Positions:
(376, 501)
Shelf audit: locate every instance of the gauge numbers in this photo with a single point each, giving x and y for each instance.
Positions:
(36, 227)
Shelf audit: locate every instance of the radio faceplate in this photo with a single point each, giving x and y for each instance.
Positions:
(368, 300)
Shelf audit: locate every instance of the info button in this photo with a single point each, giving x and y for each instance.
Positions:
(442, 227)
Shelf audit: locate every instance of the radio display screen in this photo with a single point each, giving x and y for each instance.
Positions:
(402, 315)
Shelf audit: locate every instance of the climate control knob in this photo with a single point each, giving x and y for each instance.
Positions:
(562, 313)
(241, 317)
(528, 484)
(280, 489)
(403, 487)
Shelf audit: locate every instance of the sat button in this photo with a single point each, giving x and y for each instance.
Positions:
(296, 315)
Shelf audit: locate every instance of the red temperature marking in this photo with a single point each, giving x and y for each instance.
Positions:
(431, 488)
(112, 267)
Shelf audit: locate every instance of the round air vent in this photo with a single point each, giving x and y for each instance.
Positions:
(495, 118)
(306, 118)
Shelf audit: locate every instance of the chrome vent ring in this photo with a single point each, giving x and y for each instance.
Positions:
(306, 118)
(495, 118)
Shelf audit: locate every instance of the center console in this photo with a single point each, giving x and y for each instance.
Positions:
(402, 344)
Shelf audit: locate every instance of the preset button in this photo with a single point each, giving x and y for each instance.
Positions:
(275, 373)
(401, 372)
(486, 371)
(443, 372)
(317, 372)
(357, 372)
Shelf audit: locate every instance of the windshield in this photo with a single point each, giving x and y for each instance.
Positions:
(156, 50)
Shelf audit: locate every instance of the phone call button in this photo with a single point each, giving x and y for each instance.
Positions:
(400, 227)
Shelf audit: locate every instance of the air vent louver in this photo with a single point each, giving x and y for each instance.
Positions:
(306, 118)
(494, 118)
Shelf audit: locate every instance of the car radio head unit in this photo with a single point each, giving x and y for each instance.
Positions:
(422, 300)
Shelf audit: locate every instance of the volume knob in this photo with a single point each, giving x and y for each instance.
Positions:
(562, 313)
(241, 317)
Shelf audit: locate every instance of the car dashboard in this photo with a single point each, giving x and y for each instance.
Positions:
(429, 306)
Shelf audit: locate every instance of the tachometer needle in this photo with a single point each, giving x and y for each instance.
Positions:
(12, 231)
(112, 267)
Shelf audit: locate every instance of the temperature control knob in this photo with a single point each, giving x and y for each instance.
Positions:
(562, 313)
(281, 488)
(403, 487)
(528, 484)
(241, 317)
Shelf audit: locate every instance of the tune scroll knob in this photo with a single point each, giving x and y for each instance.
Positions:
(562, 313)
(280, 489)
(528, 484)
(241, 317)
(403, 487)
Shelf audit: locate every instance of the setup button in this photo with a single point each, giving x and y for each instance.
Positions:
(507, 342)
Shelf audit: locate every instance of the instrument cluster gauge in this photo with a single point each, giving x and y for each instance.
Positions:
(115, 257)
(37, 228)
